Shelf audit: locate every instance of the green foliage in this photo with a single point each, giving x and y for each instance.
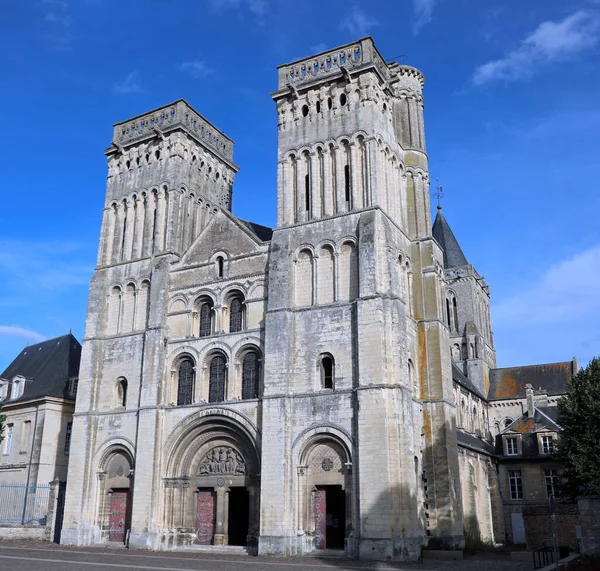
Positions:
(578, 448)
(474, 543)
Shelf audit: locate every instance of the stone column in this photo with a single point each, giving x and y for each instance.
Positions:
(220, 529)
(414, 121)
(159, 231)
(139, 228)
(301, 506)
(129, 229)
(106, 224)
(299, 186)
(281, 195)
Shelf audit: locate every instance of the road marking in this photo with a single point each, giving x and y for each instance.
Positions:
(304, 565)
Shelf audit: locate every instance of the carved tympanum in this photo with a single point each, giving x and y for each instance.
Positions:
(222, 460)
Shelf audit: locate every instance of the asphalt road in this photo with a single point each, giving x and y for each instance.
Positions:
(49, 557)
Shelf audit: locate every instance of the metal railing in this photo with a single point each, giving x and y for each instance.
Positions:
(21, 505)
(543, 557)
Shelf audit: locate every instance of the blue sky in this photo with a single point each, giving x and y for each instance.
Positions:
(512, 125)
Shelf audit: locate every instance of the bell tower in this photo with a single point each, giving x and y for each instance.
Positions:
(356, 346)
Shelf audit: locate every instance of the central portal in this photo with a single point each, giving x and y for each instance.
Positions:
(238, 516)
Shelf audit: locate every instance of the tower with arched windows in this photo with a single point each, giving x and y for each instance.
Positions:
(289, 389)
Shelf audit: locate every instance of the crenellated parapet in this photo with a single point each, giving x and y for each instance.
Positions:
(177, 115)
(348, 58)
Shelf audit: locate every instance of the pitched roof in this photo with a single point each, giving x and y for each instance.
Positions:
(263, 233)
(509, 383)
(49, 365)
(474, 443)
(459, 377)
(453, 254)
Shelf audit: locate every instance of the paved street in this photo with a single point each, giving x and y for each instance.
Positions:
(23, 556)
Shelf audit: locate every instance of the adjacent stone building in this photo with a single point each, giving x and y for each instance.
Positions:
(37, 394)
(320, 385)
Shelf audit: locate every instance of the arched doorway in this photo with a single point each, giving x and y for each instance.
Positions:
(116, 490)
(212, 494)
(324, 481)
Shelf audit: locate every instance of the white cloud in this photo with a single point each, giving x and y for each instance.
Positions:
(423, 13)
(196, 68)
(557, 315)
(14, 331)
(357, 22)
(52, 266)
(549, 42)
(258, 8)
(131, 84)
(318, 48)
(59, 23)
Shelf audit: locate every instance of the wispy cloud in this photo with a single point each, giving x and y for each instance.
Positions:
(318, 48)
(423, 13)
(555, 315)
(16, 332)
(131, 84)
(357, 22)
(549, 42)
(59, 23)
(51, 266)
(196, 68)
(258, 8)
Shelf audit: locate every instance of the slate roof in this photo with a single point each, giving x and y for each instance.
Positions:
(509, 383)
(49, 364)
(475, 443)
(459, 377)
(261, 232)
(453, 254)
(541, 420)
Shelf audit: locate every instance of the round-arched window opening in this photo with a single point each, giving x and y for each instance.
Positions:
(329, 103)
(304, 110)
(318, 106)
(157, 154)
(343, 99)
(384, 107)
(327, 371)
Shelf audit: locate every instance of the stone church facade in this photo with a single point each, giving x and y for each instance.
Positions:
(289, 389)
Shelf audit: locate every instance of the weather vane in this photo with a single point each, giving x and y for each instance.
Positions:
(439, 194)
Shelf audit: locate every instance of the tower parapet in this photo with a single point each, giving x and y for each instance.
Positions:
(177, 115)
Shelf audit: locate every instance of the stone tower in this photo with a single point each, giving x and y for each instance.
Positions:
(467, 310)
(358, 395)
(151, 216)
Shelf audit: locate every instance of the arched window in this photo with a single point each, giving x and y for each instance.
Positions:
(216, 384)
(185, 387)
(220, 266)
(327, 371)
(122, 392)
(236, 314)
(206, 314)
(507, 422)
(455, 312)
(250, 375)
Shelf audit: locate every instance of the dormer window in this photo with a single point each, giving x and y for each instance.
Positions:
(546, 444)
(512, 446)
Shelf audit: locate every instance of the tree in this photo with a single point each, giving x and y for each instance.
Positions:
(579, 446)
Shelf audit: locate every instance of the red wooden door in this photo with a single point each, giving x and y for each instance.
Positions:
(119, 507)
(205, 517)
(320, 519)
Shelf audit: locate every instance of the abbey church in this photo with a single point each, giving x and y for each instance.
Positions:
(326, 384)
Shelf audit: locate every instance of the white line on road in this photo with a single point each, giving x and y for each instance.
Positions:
(166, 558)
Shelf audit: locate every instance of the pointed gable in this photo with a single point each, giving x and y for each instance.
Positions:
(225, 232)
(453, 254)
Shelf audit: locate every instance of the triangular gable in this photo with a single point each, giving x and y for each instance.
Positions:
(224, 232)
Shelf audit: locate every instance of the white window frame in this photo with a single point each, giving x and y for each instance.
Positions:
(513, 450)
(516, 477)
(547, 443)
(551, 477)
(8, 439)
(68, 435)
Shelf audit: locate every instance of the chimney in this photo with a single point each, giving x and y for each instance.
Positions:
(530, 400)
